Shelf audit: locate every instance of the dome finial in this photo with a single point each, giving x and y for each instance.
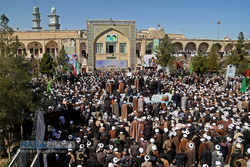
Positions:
(35, 8)
(53, 9)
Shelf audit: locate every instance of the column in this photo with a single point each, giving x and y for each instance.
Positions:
(78, 47)
(58, 45)
(44, 48)
(197, 48)
(143, 50)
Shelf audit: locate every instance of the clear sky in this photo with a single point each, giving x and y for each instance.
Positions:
(198, 18)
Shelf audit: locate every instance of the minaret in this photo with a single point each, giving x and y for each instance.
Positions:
(54, 19)
(36, 18)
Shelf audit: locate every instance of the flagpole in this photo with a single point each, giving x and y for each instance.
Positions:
(218, 22)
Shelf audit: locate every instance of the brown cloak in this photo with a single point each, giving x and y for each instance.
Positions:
(136, 83)
(191, 154)
(141, 132)
(135, 104)
(134, 129)
(183, 144)
(121, 87)
(124, 111)
(109, 89)
(176, 143)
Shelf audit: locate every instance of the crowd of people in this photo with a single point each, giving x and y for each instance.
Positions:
(200, 121)
(204, 52)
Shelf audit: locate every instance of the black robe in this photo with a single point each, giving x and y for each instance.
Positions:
(206, 157)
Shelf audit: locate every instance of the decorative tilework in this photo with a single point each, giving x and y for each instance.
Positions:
(147, 42)
(132, 58)
(95, 27)
(100, 28)
(89, 31)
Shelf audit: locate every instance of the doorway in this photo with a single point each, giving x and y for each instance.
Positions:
(37, 52)
(110, 48)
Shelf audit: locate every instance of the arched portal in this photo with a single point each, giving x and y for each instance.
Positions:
(111, 50)
(190, 46)
(203, 47)
(138, 49)
(228, 47)
(218, 46)
(149, 48)
(34, 49)
(178, 46)
(52, 48)
(21, 49)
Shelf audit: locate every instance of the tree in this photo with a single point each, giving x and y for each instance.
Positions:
(8, 43)
(47, 65)
(238, 54)
(199, 64)
(62, 60)
(212, 62)
(16, 95)
(164, 51)
(247, 46)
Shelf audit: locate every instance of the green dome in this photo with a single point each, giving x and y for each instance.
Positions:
(36, 9)
(53, 9)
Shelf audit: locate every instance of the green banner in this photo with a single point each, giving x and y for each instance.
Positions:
(155, 44)
(48, 84)
(191, 68)
(245, 84)
(67, 68)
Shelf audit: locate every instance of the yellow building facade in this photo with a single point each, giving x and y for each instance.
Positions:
(108, 44)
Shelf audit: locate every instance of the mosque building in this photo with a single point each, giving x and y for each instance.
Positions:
(104, 44)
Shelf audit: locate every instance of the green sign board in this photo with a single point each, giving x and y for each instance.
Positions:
(155, 44)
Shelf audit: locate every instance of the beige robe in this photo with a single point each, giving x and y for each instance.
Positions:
(244, 104)
(124, 112)
(115, 109)
(149, 148)
(140, 104)
(232, 151)
(167, 144)
(147, 164)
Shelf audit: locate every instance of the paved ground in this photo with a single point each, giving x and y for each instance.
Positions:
(158, 97)
(155, 97)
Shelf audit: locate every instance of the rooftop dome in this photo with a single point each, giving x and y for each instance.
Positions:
(161, 29)
(35, 9)
(53, 9)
